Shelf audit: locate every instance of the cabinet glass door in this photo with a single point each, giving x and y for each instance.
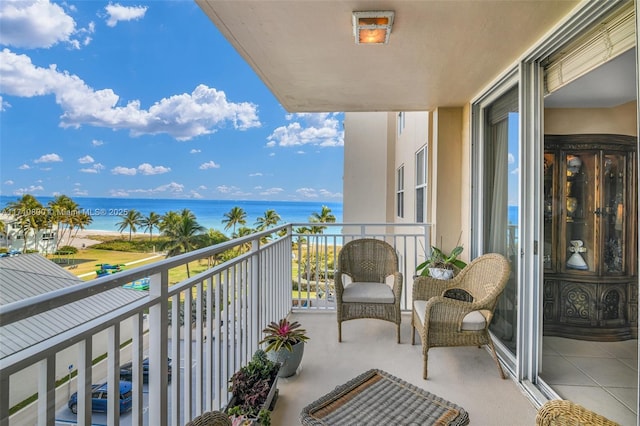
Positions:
(612, 212)
(579, 195)
(549, 209)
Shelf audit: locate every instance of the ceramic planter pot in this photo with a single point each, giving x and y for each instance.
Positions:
(441, 274)
(289, 360)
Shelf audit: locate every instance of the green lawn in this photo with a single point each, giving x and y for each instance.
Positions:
(85, 260)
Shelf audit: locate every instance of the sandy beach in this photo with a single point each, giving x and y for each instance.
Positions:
(82, 238)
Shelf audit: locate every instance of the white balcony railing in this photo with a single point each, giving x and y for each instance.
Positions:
(252, 289)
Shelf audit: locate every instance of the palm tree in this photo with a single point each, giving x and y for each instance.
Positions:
(3, 232)
(29, 215)
(79, 222)
(325, 216)
(243, 231)
(169, 220)
(182, 234)
(235, 216)
(150, 222)
(63, 209)
(130, 220)
(270, 218)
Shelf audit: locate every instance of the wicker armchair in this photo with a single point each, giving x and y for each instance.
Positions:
(560, 412)
(368, 283)
(211, 418)
(443, 317)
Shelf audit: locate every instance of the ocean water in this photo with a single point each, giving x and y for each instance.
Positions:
(106, 212)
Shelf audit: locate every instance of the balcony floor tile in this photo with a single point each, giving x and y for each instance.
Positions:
(466, 376)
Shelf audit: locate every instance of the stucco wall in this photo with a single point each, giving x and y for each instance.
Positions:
(617, 120)
(447, 174)
(365, 184)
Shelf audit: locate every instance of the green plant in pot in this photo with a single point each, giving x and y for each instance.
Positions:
(285, 344)
(439, 262)
(253, 388)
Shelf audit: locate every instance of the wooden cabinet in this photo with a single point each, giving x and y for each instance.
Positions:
(590, 237)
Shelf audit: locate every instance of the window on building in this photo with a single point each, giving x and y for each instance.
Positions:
(400, 192)
(401, 118)
(48, 236)
(421, 184)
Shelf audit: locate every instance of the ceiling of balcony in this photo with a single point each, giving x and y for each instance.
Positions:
(441, 53)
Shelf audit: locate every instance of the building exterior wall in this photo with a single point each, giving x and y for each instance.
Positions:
(44, 241)
(447, 178)
(366, 181)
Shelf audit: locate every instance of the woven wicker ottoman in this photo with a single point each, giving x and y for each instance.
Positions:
(378, 398)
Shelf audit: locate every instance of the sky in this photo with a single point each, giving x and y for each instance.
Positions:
(148, 100)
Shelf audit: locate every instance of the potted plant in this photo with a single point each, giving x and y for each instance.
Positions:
(285, 345)
(441, 265)
(254, 391)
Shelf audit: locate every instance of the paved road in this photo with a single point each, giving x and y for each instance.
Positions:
(64, 416)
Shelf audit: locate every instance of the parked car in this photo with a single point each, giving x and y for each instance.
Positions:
(126, 371)
(99, 398)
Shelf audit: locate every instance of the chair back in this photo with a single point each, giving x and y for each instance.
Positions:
(368, 260)
(485, 277)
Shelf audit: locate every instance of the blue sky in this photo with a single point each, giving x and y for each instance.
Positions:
(148, 100)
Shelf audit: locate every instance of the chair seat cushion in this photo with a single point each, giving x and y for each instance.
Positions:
(359, 292)
(473, 321)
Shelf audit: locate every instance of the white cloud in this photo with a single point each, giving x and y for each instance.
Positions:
(307, 192)
(224, 189)
(515, 171)
(9, 182)
(95, 168)
(117, 12)
(148, 169)
(34, 24)
(118, 193)
(4, 104)
(209, 165)
(172, 187)
(24, 167)
(321, 129)
(80, 192)
(328, 194)
(31, 189)
(510, 158)
(202, 187)
(194, 194)
(195, 151)
(182, 116)
(48, 158)
(300, 152)
(87, 159)
(255, 174)
(119, 170)
(96, 142)
(272, 191)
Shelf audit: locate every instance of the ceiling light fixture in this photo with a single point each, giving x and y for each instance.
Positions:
(372, 27)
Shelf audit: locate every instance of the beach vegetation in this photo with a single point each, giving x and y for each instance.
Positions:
(235, 216)
(182, 235)
(30, 215)
(66, 250)
(132, 219)
(324, 216)
(270, 219)
(61, 208)
(149, 222)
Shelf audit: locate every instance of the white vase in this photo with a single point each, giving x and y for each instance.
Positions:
(440, 273)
